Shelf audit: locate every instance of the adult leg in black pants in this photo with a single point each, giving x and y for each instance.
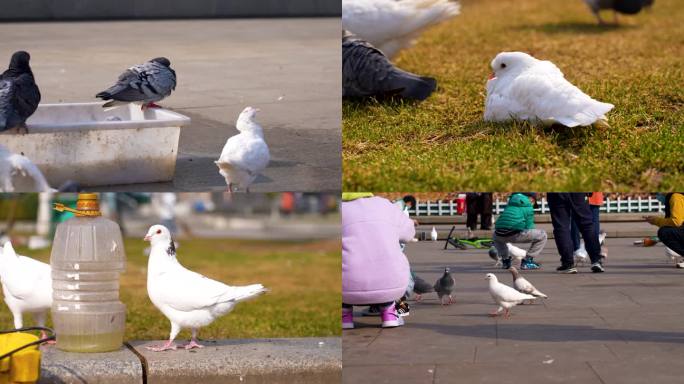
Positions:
(486, 210)
(673, 238)
(565, 208)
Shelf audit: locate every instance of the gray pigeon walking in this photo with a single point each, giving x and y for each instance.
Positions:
(19, 94)
(627, 7)
(145, 83)
(444, 286)
(420, 286)
(367, 72)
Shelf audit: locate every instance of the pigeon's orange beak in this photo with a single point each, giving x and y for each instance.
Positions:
(491, 76)
(147, 238)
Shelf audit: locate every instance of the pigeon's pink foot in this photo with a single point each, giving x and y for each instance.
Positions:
(418, 297)
(451, 300)
(153, 105)
(165, 347)
(494, 314)
(43, 335)
(507, 314)
(193, 344)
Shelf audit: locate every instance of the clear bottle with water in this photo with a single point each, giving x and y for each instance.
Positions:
(87, 259)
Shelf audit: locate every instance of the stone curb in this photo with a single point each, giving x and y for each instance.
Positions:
(296, 360)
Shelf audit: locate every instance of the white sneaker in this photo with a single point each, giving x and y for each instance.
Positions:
(679, 265)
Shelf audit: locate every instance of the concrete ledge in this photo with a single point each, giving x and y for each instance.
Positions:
(303, 360)
(155, 9)
(122, 366)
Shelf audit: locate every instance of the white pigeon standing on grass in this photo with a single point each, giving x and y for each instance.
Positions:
(517, 253)
(392, 25)
(19, 174)
(26, 285)
(244, 155)
(505, 296)
(186, 298)
(524, 88)
(522, 285)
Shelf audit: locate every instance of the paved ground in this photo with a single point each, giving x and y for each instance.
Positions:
(623, 326)
(290, 68)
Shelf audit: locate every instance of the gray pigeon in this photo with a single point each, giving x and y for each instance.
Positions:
(366, 71)
(19, 94)
(628, 7)
(143, 83)
(420, 286)
(444, 286)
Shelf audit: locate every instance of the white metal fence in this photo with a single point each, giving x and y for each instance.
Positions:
(628, 205)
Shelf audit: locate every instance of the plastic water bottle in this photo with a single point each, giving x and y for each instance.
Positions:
(87, 258)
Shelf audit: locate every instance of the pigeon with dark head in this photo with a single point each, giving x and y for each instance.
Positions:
(627, 7)
(366, 72)
(420, 286)
(19, 94)
(444, 287)
(145, 84)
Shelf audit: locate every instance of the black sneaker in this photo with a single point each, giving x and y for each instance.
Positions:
(506, 263)
(597, 267)
(402, 307)
(566, 269)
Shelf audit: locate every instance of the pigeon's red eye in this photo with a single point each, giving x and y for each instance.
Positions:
(158, 231)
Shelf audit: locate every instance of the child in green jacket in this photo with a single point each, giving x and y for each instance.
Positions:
(516, 225)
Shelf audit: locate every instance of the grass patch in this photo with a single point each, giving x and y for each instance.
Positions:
(304, 279)
(443, 144)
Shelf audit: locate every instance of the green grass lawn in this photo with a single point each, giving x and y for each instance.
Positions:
(304, 279)
(443, 144)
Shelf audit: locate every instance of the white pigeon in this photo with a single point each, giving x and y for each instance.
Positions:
(27, 286)
(19, 174)
(522, 285)
(581, 255)
(524, 88)
(672, 255)
(505, 296)
(515, 252)
(433, 234)
(246, 154)
(186, 298)
(392, 25)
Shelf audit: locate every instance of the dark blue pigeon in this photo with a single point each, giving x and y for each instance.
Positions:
(19, 94)
(627, 7)
(366, 72)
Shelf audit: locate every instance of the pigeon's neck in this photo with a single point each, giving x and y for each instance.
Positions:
(161, 255)
(249, 126)
(18, 70)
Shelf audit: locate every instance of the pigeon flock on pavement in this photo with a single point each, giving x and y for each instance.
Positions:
(243, 158)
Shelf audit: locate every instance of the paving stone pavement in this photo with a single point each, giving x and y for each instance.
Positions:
(623, 326)
(289, 68)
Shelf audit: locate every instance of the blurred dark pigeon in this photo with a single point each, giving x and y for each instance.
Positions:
(420, 286)
(628, 7)
(444, 286)
(367, 72)
(143, 83)
(19, 94)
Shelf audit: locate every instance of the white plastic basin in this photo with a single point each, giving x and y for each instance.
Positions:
(84, 143)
